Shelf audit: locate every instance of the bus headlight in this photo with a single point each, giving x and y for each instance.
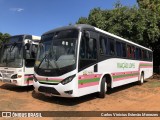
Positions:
(34, 78)
(67, 80)
(19, 76)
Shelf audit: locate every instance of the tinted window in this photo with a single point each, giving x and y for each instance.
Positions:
(140, 54)
(111, 46)
(150, 56)
(28, 37)
(133, 52)
(137, 54)
(103, 45)
(123, 50)
(145, 55)
(66, 34)
(118, 49)
(88, 49)
(129, 51)
(88, 52)
(14, 39)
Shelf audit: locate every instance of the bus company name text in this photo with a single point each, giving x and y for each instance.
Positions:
(125, 65)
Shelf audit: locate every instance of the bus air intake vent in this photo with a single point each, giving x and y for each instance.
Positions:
(48, 90)
(49, 83)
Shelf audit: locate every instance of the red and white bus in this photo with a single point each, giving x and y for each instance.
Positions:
(77, 60)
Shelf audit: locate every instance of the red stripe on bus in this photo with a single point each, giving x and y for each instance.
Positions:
(146, 66)
(82, 77)
(88, 84)
(124, 78)
(123, 73)
(31, 76)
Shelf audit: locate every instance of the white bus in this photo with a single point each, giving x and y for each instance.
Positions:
(77, 60)
(17, 58)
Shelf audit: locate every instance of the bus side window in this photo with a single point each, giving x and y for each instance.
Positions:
(140, 54)
(150, 56)
(111, 46)
(88, 52)
(133, 52)
(83, 49)
(118, 49)
(129, 51)
(103, 43)
(147, 55)
(88, 48)
(142, 51)
(92, 49)
(123, 50)
(137, 54)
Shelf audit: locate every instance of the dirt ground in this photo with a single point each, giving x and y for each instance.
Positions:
(130, 97)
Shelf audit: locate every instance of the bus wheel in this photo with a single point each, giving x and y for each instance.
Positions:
(141, 81)
(103, 88)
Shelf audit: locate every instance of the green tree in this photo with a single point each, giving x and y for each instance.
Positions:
(3, 37)
(151, 10)
(153, 5)
(136, 24)
(82, 20)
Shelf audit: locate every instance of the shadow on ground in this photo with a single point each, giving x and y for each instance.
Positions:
(15, 88)
(75, 101)
(123, 87)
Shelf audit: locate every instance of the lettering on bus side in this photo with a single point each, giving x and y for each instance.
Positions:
(88, 72)
(125, 65)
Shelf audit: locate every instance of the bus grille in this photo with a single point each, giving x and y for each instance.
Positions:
(49, 83)
(48, 90)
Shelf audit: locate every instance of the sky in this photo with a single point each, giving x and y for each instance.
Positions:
(38, 16)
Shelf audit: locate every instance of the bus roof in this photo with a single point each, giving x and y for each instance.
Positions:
(85, 26)
(34, 37)
(76, 26)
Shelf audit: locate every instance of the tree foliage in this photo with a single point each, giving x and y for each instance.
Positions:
(3, 37)
(133, 23)
(153, 5)
(139, 24)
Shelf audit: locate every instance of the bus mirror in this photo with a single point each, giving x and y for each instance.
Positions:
(26, 51)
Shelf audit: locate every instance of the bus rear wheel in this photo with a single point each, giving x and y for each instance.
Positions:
(141, 81)
(103, 88)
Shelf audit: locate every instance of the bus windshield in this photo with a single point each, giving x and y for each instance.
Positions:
(11, 53)
(57, 53)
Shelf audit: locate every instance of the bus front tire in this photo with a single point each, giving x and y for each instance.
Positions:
(103, 88)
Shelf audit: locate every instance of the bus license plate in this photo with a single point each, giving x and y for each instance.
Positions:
(48, 94)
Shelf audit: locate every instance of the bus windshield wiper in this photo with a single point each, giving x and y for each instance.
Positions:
(48, 62)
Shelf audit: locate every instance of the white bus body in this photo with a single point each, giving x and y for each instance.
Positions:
(17, 59)
(100, 60)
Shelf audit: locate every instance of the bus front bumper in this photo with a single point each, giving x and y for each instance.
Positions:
(54, 90)
(17, 81)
